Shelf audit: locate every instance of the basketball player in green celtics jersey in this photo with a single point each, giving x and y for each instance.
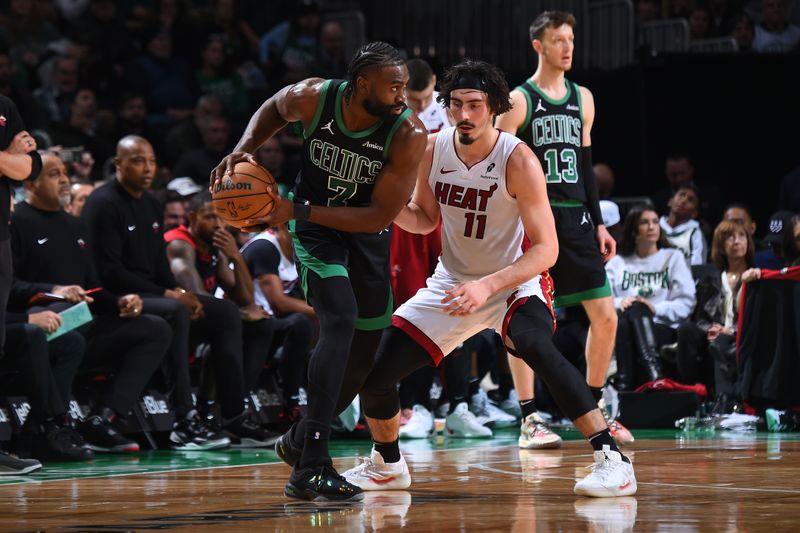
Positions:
(361, 149)
(554, 116)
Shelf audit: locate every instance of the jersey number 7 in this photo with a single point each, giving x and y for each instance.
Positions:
(343, 189)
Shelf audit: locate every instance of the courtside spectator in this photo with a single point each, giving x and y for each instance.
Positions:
(125, 224)
(653, 292)
(52, 255)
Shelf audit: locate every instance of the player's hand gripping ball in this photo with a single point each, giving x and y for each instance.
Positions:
(247, 193)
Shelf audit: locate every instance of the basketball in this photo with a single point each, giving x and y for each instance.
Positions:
(243, 195)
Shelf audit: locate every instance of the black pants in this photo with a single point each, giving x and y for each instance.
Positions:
(221, 328)
(293, 332)
(341, 359)
(257, 338)
(132, 348)
(48, 368)
(5, 286)
(692, 358)
(176, 361)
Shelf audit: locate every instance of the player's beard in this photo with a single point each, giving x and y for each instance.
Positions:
(464, 138)
(378, 109)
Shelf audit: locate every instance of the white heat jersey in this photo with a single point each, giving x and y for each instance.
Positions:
(287, 272)
(434, 117)
(481, 229)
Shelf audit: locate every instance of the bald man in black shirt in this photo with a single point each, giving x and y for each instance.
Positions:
(126, 224)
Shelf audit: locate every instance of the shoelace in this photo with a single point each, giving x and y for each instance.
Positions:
(614, 425)
(366, 464)
(466, 414)
(541, 427)
(601, 470)
(104, 423)
(198, 427)
(327, 470)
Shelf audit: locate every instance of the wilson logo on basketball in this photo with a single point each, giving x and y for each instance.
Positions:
(231, 186)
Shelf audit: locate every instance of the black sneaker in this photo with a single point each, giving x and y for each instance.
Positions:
(192, 433)
(244, 433)
(100, 435)
(11, 465)
(60, 443)
(286, 449)
(321, 483)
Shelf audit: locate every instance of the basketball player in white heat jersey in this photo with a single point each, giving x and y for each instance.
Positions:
(489, 189)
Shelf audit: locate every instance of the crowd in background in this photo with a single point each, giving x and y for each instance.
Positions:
(148, 96)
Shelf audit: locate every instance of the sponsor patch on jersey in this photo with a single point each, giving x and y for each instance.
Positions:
(368, 144)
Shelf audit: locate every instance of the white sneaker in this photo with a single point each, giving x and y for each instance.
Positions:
(374, 474)
(610, 477)
(461, 423)
(511, 405)
(535, 434)
(420, 426)
(488, 413)
(608, 515)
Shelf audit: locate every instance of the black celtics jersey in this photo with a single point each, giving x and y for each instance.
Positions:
(340, 166)
(554, 129)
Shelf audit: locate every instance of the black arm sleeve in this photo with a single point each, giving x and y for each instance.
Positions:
(36, 164)
(590, 184)
(262, 257)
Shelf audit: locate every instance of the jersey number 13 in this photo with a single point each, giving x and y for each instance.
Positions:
(562, 165)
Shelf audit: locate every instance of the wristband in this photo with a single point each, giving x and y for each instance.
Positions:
(301, 211)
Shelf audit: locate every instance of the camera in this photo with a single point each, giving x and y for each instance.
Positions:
(71, 154)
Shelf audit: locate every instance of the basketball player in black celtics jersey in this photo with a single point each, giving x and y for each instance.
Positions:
(360, 154)
(554, 116)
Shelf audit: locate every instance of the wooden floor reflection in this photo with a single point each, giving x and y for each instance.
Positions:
(696, 485)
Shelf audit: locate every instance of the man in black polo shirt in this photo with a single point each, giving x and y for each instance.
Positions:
(51, 254)
(126, 225)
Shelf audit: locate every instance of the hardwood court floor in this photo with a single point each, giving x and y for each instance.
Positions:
(725, 483)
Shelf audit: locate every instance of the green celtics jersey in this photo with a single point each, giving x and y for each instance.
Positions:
(554, 129)
(340, 166)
